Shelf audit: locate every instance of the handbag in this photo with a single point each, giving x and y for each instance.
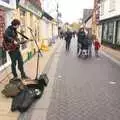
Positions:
(44, 78)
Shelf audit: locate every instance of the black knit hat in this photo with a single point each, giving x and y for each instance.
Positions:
(15, 22)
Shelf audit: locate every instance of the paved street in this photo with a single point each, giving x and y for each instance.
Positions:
(85, 89)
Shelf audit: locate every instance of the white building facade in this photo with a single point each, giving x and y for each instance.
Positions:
(110, 22)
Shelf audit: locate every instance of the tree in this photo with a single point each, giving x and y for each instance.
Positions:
(75, 26)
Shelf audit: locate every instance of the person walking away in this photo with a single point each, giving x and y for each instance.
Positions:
(68, 37)
(80, 37)
(73, 34)
(96, 47)
(61, 34)
(11, 37)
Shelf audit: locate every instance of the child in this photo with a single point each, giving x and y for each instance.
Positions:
(97, 47)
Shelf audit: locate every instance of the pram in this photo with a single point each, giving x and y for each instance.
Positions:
(84, 53)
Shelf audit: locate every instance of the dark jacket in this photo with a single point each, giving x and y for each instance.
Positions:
(81, 36)
(10, 34)
(68, 36)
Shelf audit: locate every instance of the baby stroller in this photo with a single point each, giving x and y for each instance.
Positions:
(84, 49)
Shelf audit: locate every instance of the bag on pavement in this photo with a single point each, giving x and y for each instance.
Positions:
(25, 99)
(13, 88)
(43, 78)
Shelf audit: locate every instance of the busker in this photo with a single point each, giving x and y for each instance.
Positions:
(10, 43)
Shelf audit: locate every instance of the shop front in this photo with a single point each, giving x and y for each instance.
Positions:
(111, 32)
(6, 6)
(29, 13)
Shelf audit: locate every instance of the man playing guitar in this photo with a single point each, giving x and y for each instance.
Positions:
(11, 44)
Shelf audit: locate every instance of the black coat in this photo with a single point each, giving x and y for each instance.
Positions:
(68, 36)
(81, 36)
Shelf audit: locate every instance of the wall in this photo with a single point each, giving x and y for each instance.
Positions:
(110, 13)
(89, 23)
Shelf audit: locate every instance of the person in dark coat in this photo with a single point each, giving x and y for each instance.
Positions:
(80, 38)
(68, 37)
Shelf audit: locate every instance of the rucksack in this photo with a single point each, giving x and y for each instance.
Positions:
(13, 88)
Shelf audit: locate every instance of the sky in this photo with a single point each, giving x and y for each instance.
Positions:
(72, 10)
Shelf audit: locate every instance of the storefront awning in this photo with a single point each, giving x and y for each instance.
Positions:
(46, 15)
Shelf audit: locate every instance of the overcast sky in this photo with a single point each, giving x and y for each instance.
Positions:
(71, 10)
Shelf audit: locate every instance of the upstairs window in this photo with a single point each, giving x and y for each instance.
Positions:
(111, 5)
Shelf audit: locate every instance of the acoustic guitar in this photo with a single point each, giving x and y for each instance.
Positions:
(13, 45)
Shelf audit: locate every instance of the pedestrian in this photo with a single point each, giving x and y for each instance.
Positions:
(80, 38)
(73, 34)
(11, 38)
(68, 37)
(96, 46)
(61, 34)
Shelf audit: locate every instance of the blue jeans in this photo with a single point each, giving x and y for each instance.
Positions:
(16, 57)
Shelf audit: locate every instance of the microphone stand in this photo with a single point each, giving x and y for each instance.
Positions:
(39, 53)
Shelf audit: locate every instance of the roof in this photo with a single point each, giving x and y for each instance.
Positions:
(87, 13)
(88, 18)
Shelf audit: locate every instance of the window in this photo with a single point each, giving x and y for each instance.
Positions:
(118, 33)
(3, 58)
(110, 32)
(111, 5)
(22, 30)
(105, 29)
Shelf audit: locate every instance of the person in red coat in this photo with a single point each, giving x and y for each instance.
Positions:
(97, 47)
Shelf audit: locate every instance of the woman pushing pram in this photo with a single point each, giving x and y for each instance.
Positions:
(84, 44)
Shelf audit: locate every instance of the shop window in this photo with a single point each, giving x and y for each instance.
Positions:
(110, 32)
(23, 29)
(105, 30)
(118, 33)
(3, 58)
